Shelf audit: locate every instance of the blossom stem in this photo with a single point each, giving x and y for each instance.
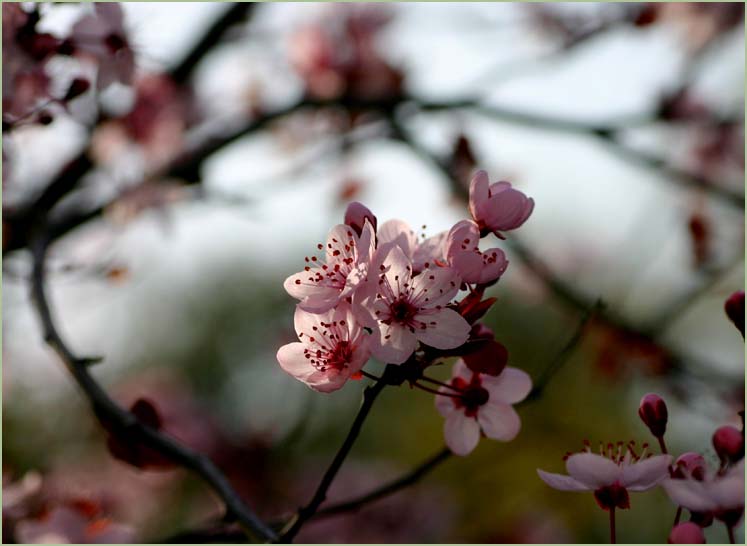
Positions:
(434, 391)
(441, 383)
(730, 530)
(662, 445)
(678, 515)
(370, 375)
(613, 537)
(307, 512)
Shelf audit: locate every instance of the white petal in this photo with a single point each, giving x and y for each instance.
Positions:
(510, 387)
(561, 482)
(445, 329)
(647, 473)
(462, 433)
(728, 491)
(499, 421)
(592, 470)
(435, 286)
(445, 404)
(691, 494)
(291, 359)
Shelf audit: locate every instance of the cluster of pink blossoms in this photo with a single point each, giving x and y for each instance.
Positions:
(380, 291)
(708, 494)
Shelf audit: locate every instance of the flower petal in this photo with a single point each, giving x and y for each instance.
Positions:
(399, 233)
(646, 474)
(461, 433)
(592, 470)
(561, 482)
(479, 191)
(499, 421)
(394, 343)
(445, 404)
(511, 386)
(291, 358)
(691, 494)
(445, 329)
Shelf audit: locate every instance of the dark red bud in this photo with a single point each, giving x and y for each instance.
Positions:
(473, 308)
(489, 359)
(653, 413)
(690, 465)
(126, 446)
(729, 444)
(77, 88)
(734, 307)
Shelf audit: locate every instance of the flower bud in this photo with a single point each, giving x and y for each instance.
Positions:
(734, 307)
(729, 444)
(497, 207)
(690, 465)
(356, 215)
(653, 413)
(686, 533)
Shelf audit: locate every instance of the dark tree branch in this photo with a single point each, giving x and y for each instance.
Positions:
(115, 418)
(305, 513)
(387, 489)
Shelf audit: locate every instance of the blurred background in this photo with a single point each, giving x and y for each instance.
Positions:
(188, 156)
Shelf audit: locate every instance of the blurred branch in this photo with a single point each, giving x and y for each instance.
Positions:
(305, 513)
(234, 14)
(122, 422)
(387, 489)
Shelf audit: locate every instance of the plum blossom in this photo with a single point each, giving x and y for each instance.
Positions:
(423, 254)
(320, 286)
(101, 36)
(497, 207)
(720, 494)
(611, 474)
(463, 254)
(475, 402)
(407, 309)
(333, 347)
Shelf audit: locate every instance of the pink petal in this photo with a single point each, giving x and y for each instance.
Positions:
(462, 433)
(479, 189)
(728, 491)
(397, 269)
(341, 243)
(435, 286)
(399, 233)
(446, 329)
(510, 387)
(561, 482)
(592, 470)
(445, 404)
(291, 358)
(647, 473)
(429, 251)
(394, 343)
(499, 421)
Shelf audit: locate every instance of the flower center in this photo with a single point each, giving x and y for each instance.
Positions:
(340, 355)
(473, 395)
(115, 42)
(402, 311)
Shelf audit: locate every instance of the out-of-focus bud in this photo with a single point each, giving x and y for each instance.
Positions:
(729, 444)
(734, 307)
(76, 89)
(686, 533)
(690, 465)
(356, 215)
(45, 118)
(490, 359)
(472, 307)
(653, 413)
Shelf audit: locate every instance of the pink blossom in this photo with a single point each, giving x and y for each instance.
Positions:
(69, 525)
(484, 405)
(333, 347)
(719, 494)
(407, 309)
(101, 36)
(497, 207)
(423, 254)
(320, 286)
(356, 215)
(463, 254)
(611, 474)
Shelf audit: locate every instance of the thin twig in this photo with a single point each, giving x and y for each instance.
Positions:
(307, 512)
(387, 489)
(115, 418)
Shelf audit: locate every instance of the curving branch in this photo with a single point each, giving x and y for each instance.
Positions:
(115, 418)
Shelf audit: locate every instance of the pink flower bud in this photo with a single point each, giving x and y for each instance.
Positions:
(690, 465)
(734, 307)
(356, 215)
(653, 413)
(497, 207)
(729, 444)
(686, 533)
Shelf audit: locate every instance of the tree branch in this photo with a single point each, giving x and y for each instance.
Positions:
(307, 512)
(115, 418)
